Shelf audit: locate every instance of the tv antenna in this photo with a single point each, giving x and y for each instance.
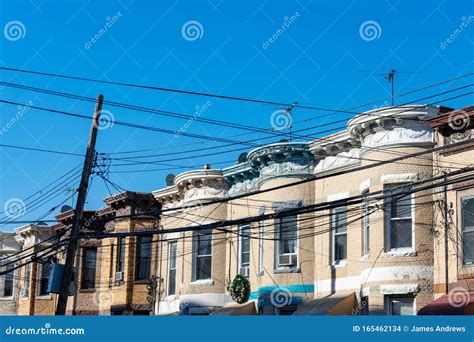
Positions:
(391, 79)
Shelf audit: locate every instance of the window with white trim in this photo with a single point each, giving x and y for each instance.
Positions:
(244, 249)
(172, 256)
(287, 241)
(339, 234)
(467, 222)
(398, 216)
(400, 306)
(202, 255)
(365, 224)
(261, 240)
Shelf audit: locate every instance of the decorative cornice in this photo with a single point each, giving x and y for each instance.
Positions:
(196, 185)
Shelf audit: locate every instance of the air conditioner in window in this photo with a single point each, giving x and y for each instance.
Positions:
(118, 276)
(24, 292)
(287, 260)
(244, 271)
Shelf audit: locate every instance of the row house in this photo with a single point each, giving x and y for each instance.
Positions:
(375, 258)
(387, 254)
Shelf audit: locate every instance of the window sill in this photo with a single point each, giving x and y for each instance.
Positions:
(282, 270)
(170, 298)
(141, 281)
(6, 298)
(92, 290)
(339, 264)
(401, 253)
(259, 274)
(45, 297)
(365, 257)
(202, 282)
(119, 283)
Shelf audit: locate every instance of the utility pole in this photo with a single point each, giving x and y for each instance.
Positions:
(77, 218)
(446, 228)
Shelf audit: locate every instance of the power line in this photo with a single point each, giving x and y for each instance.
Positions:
(320, 177)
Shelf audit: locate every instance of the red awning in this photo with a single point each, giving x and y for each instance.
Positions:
(461, 303)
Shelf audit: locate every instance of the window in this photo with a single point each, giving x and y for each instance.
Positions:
(365, 225)
(261, 240)
(26, 288)
(44, 279)
(339, 234)
(143, 258)
(400, 306)
(202, 255)
(287, 240)
(172, 253)
(120, 266)
(7, 290)
(467, 217)
(398, 217)
(244, 249)
(89, 257)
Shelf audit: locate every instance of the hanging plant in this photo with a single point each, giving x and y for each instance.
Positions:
(240, 289)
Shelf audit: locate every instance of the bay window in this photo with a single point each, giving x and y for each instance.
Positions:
(143, 258)
(467, 226)
(244, 250)
(172, 254)
(89, 258)
(202, 255)
(398, 217)
(287, 240)
(339, 234)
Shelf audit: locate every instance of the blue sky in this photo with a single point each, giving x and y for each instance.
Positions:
(322, 57)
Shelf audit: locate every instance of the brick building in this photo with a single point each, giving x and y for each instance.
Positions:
(374, 243)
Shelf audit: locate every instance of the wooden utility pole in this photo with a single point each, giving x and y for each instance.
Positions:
(77, 218)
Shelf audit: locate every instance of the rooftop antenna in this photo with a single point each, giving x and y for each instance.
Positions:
(290, 115)
(391, 79)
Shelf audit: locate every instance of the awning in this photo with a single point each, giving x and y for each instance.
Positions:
(234, 309)
(457, 303)
(336, 304)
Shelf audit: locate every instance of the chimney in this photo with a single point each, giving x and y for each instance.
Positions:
(207, 166)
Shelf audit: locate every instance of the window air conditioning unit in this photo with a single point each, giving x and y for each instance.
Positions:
(118, 276)
(287, 260)
(244, 271)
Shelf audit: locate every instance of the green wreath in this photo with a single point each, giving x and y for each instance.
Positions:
(240, 289)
